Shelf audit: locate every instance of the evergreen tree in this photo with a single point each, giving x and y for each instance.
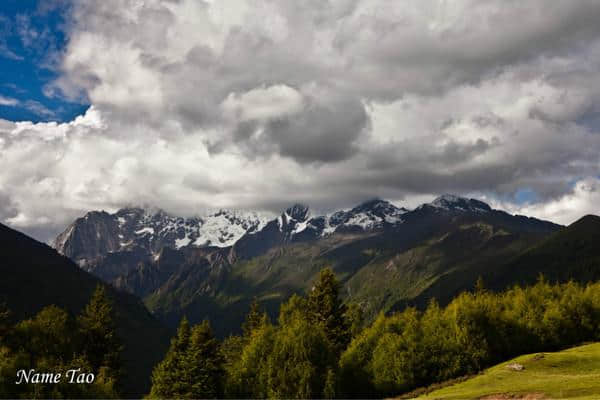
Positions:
(326, 308)
(101, 345)
(50, 341)
(166, 378)
(204, 363)
(48, 336)
(193, 366)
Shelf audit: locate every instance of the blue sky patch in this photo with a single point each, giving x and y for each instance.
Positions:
(32, 37)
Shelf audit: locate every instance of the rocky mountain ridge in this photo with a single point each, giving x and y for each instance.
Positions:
(99, 233)
(385, 256)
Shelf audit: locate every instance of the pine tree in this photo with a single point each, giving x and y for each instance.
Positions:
(326, 308)
(166, 381)
(101, 345)
(193, 366)
(204, 363)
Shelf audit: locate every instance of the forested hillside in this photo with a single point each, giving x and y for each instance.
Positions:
(319, 347)
(35, 276)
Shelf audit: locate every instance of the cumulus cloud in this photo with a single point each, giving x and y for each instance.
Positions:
(256, 104)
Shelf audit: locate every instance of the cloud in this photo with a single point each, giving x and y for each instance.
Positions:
(39, 109)
(257, 104)
(264, 103)
(8, 101)
(582, 199)
(34, 106)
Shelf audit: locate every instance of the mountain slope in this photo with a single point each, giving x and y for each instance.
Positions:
(571, 253)
(382, 269)
(34, 276)
(569, 374)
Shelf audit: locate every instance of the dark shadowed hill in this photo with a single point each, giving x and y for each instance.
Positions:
(34, 276)
(570, 253)
(573, 253)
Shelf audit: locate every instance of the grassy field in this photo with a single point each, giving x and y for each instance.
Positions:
(568, 374)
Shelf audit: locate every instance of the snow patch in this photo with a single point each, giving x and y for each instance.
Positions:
(301, 226)
(179, 243)
(144, 230)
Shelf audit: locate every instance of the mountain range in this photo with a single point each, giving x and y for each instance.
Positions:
(387, 257)
(212, 267)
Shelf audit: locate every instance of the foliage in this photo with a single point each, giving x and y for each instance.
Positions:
(326, 309)
(98, 331)
(298, 357)
(247, 377)
(254, 319)
(55, 342)
(316, 349)
(412, 349)
(193, 366)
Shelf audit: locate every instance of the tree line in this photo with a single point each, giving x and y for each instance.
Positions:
(318, 347)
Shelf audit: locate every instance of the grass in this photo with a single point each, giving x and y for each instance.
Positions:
(568, 374)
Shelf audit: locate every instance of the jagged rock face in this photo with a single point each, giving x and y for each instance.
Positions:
(89, 237)
(296, 225)
(172, 268)
(98, 234)
(112, 245)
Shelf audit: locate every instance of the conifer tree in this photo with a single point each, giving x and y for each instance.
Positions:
(101, 345)
(326, 308)
(166, 382)
(193, 366)
(204, 363)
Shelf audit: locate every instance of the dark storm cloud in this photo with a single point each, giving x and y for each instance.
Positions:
(323, 133)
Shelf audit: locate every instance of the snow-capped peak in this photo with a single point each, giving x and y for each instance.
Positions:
(153, 229)
(457, 203)
(370, 215)
(298, 212)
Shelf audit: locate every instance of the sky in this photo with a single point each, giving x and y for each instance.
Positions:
(257, 104)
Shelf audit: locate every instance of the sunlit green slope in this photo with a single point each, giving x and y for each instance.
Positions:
(568, 374)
